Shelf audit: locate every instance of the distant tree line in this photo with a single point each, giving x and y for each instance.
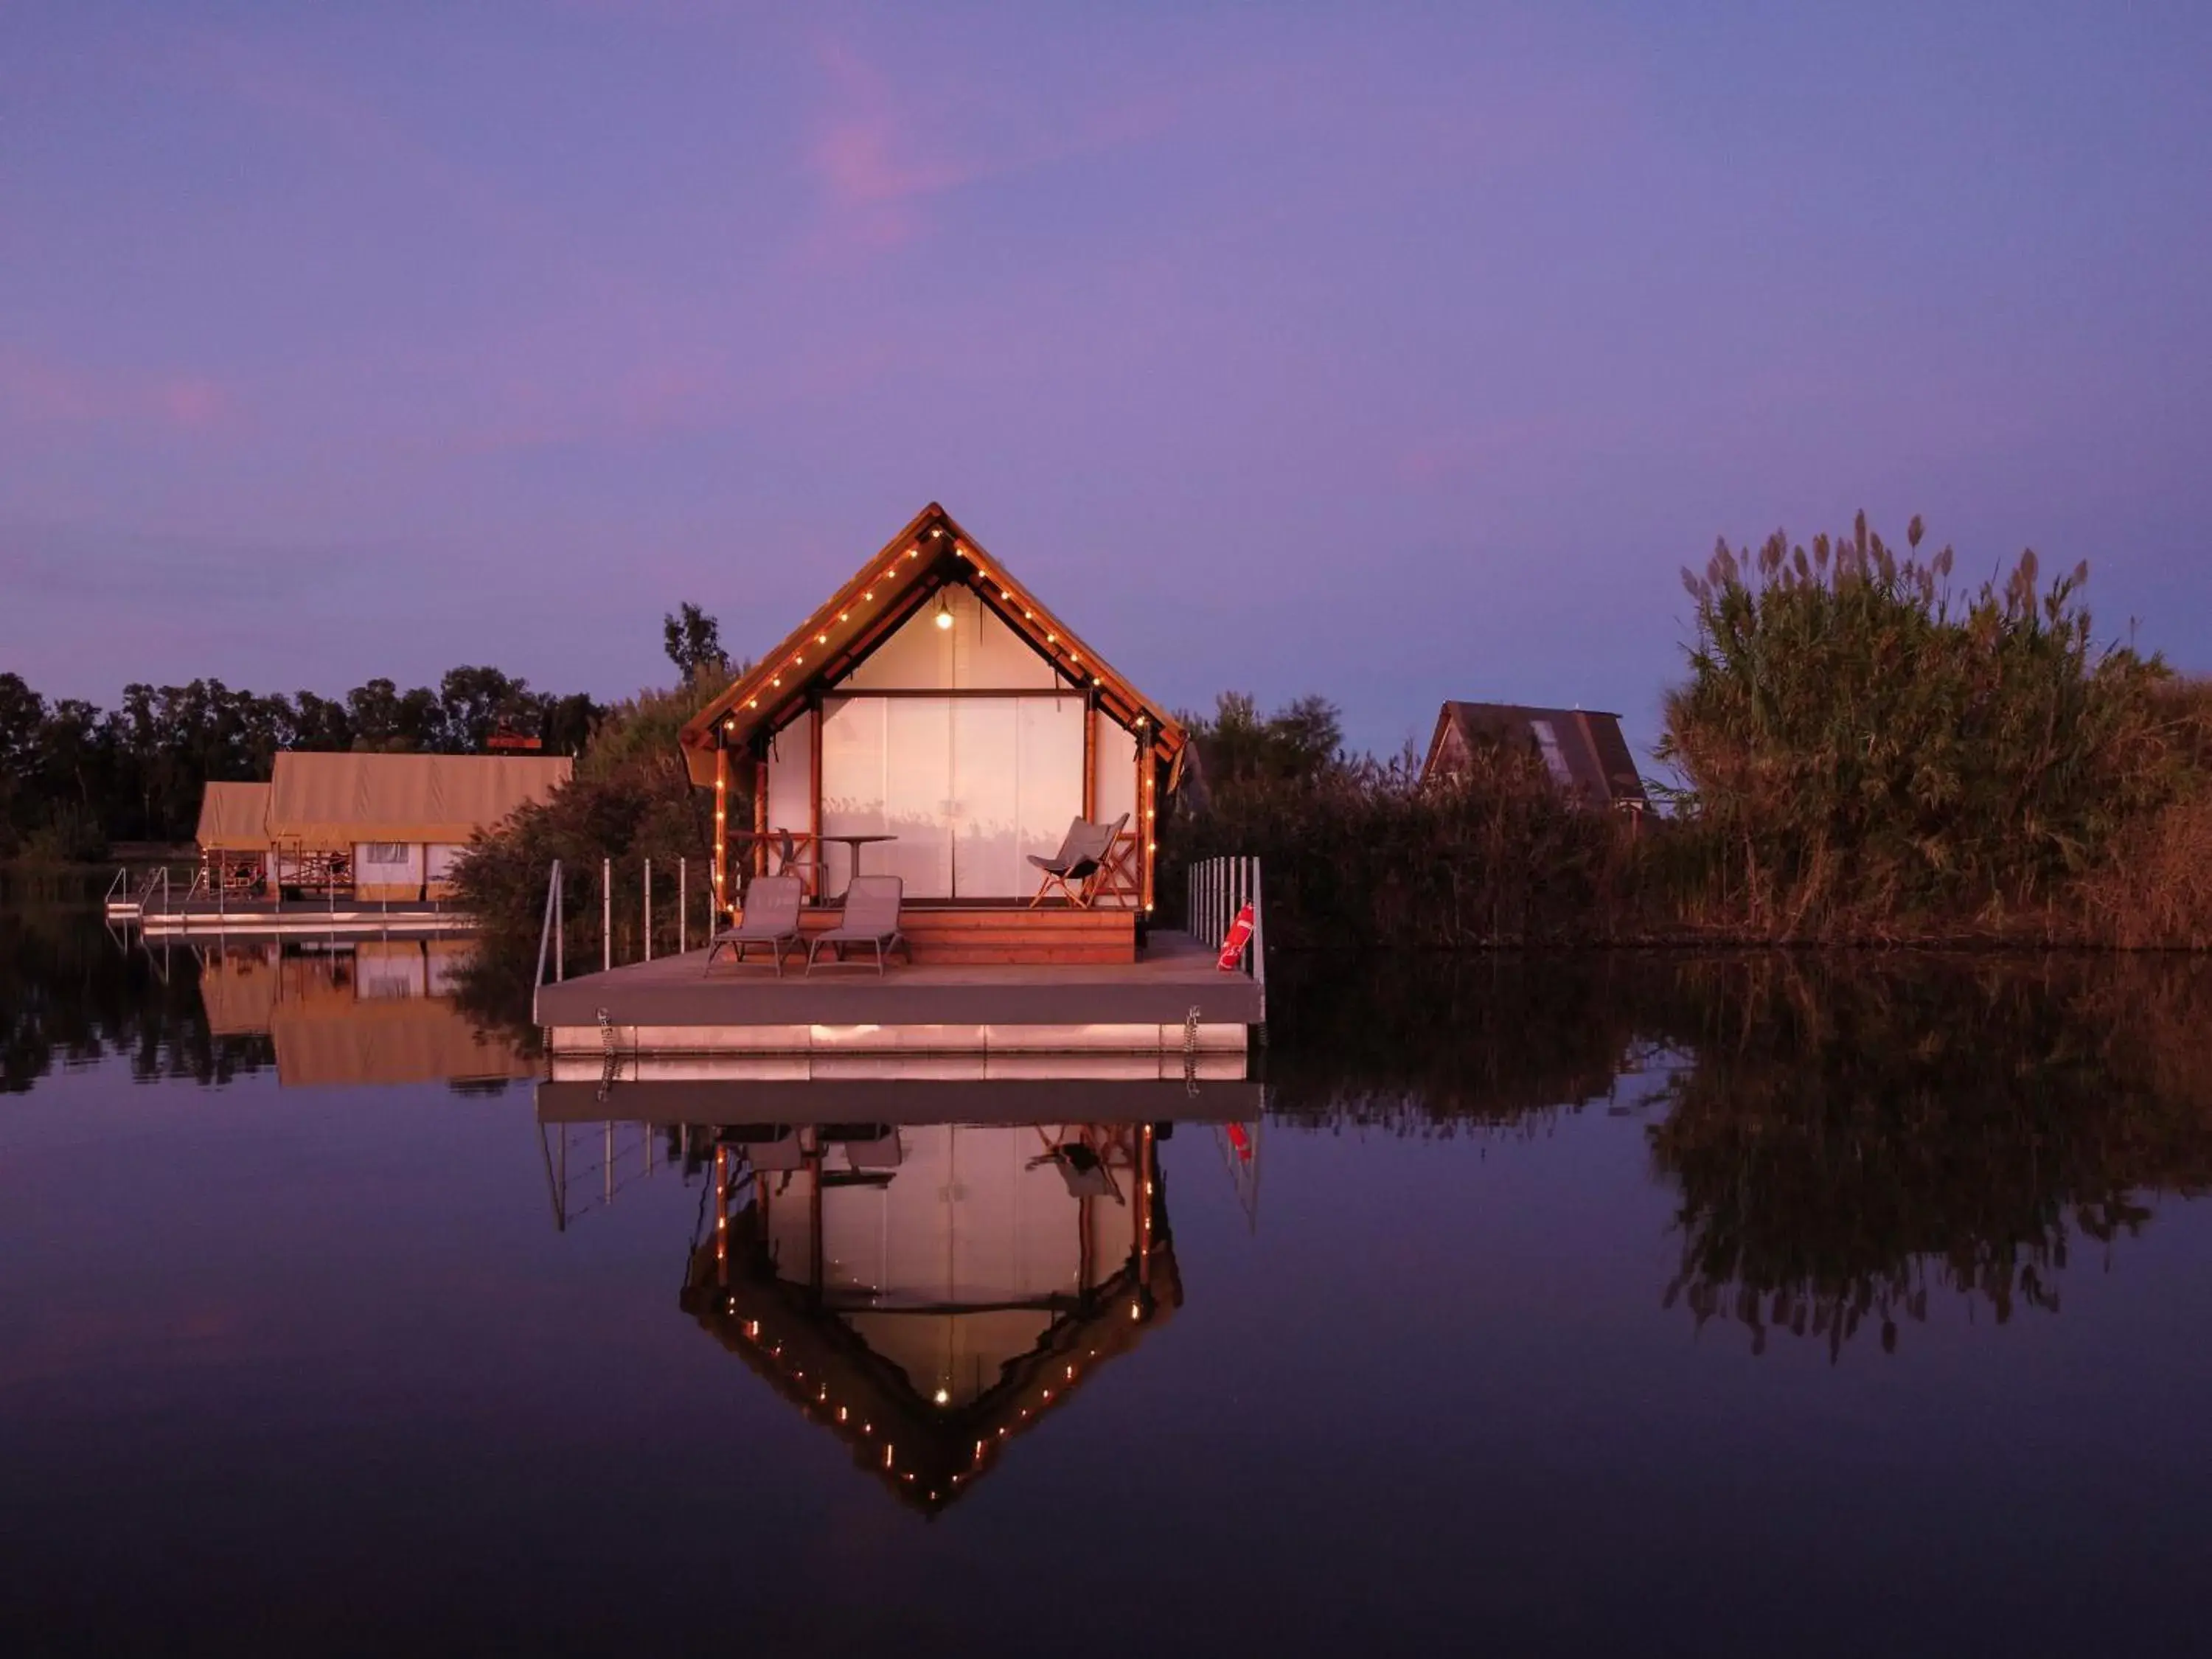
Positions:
(75, 778)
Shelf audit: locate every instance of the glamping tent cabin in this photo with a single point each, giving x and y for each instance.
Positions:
(376, 828)
(936, 702)
(1582, 749)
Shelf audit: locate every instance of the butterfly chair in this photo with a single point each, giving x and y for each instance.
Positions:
(871, 917)
(1074, 869)
(770, 918)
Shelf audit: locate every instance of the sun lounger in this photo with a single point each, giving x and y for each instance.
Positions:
(771, 918)
(871, 917)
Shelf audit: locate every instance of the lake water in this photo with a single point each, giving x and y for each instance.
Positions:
(1707, 1307)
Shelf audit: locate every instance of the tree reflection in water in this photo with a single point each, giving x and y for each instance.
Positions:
(74, 993)
(1849, 1139)
(1845, 1134)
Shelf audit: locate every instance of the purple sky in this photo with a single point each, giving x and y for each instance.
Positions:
(1396, 353)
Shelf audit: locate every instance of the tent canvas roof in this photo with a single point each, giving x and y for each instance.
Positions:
(930, 553)
(399, 1040)
(234, 815)
(334, 800)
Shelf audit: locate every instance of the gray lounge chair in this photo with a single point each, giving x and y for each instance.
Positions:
(771, 918)
(1074, 869)
(871, 917)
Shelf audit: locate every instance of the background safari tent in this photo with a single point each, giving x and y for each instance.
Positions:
(378, 827)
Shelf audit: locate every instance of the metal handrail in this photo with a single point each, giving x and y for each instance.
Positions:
(1214, 890)
(547, 934)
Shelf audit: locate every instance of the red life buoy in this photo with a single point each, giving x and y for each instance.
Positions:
(1232, 947)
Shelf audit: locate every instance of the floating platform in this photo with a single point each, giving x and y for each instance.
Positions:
(1171, 999)
(1217, 1092)
(292, 918)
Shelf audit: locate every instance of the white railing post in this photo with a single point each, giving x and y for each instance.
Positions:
(607, 915)
(560, 924)
(682, 903)
(1260, 940)
(648, 909)
(545, 931)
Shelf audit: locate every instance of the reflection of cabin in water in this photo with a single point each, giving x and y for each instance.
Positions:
(927, 1292)
(373, 828)
(936, 700)
(376, 1012)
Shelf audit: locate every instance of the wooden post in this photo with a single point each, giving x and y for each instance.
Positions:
(721, 875)
(1091, 757)
(814, 803)
(1147, 776)
(760, 815)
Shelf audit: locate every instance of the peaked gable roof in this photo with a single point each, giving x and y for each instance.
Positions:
(1590, 744)
(235, 816)
(333, 799)
(931, 552)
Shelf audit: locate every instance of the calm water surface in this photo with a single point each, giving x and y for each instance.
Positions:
(1713, 1308)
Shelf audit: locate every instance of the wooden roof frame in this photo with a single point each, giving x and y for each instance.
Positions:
(931, 552)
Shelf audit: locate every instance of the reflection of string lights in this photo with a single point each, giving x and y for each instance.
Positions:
(819, 1395)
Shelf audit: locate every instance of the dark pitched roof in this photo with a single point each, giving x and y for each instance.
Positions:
(1591, 747)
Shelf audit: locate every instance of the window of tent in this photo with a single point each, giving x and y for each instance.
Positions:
(1555, 761)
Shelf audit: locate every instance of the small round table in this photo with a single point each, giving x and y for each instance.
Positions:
(856, 842)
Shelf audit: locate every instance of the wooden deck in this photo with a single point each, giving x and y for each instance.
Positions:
(1006, 934)
(1173, 998)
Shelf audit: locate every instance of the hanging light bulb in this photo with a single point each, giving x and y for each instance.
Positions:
(944, 610)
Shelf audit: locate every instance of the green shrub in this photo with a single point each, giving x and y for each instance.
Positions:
(1867, 752)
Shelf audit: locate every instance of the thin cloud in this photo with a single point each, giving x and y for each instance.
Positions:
(38, 393)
